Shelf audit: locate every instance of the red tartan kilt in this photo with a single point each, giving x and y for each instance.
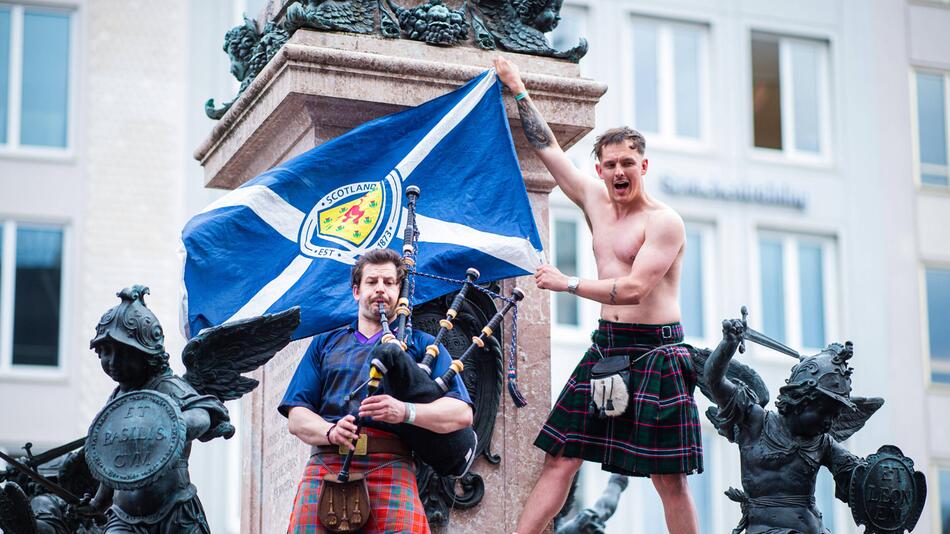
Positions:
(393, 495)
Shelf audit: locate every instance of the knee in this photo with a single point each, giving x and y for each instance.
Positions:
(670, 485)
(561, 466)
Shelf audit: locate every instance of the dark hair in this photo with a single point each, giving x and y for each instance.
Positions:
(377, 256)
(620, 135)
(157, 362)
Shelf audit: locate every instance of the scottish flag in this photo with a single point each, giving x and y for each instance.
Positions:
(290, 236)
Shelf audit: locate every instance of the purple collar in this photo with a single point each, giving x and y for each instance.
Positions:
(366, 340)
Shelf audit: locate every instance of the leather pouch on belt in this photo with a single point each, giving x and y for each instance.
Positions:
(609, 382)
(343, 506)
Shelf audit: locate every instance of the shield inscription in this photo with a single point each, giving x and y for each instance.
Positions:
(135, 439)
(887, 494)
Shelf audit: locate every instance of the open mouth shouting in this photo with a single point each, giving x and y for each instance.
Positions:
(621, 186)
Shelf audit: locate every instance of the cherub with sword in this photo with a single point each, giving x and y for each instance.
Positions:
(781, 451)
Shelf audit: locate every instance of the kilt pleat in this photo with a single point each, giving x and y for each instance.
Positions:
(659, 433)
(394, 498)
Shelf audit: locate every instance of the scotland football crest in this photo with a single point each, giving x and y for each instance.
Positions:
(290, 236)
(352, 219)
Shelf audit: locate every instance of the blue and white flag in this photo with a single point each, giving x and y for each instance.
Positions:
(290, 236)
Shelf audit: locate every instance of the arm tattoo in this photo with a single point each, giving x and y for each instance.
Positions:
(613, 293)
(535, 129)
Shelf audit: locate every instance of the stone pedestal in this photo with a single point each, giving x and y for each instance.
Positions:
(319, 86)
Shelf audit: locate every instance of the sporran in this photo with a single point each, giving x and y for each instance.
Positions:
(344, 506)
(609, 386)
(610, 382)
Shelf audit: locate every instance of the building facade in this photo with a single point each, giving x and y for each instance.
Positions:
(805, 145)
(101, 106)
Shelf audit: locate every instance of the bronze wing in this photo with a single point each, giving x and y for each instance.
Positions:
(739, 373)
(217, 356)
(851, 421)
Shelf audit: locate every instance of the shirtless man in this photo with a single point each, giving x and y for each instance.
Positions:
(638, 246)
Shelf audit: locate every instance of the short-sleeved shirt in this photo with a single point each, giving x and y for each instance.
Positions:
(337, 362)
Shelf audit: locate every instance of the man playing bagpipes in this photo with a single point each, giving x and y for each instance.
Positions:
(629, 403)
(330, 390)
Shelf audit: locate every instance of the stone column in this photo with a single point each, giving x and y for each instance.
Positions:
(317, 87)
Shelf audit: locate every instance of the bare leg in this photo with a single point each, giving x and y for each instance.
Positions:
(549, 493)
(678, 506)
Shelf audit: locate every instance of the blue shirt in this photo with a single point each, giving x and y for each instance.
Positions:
(338, 361)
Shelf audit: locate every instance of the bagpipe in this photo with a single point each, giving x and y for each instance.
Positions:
(409, 381)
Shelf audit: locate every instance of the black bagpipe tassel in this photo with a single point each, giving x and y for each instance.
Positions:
(516, 396)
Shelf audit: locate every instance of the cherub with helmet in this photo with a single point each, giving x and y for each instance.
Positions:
(145, 485)
(781, 451)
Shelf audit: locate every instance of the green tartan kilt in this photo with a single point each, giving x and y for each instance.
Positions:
(659, 433)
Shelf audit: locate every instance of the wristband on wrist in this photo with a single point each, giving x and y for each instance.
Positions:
(410, 413)
(521, 96)
(572, 284)
(328, 432)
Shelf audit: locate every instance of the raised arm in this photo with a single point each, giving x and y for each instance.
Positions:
(714, 372)
(574, 183)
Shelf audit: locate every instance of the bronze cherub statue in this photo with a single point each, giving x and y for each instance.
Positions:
(139, 444)
(781, 451)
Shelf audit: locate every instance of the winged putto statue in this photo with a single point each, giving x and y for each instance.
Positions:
(782, 451)
(520, 25)
(139, 444)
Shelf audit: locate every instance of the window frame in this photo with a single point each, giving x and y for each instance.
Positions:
(789, 153)
(711, 326)
(915, 126)
(573, 214)
(13, 148)
(8, 369)
(582, 25)
(928, 366)
(666, 138)
(937, 465)
(790, 240)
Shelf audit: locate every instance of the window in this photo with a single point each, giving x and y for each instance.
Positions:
(570, 29)
(669, 79)
(796, 285)
(566, 306)
(790, 95)
(937, 287)
(694, 279)
(932, 93)
(34, 77)
(31, 274)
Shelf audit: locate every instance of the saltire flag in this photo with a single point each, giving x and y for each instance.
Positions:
(290, 236)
